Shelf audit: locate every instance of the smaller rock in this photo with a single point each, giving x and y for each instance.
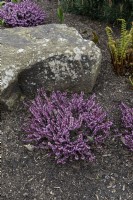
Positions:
(29, 147)
(25, 194)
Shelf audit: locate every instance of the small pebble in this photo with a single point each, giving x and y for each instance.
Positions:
(29, 147)
(25, 194)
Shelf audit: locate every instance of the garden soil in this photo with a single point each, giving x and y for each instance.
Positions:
(29, 174)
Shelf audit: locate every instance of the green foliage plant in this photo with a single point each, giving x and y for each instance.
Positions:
(106, 10)
(60, 14)
(131, 79)
(15, 1)
(121, 49)
(95, 38)
(2, 3)
(1, 20)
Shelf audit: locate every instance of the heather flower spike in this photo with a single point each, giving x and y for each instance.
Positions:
(68, 127)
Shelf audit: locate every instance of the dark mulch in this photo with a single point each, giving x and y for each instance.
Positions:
(31, 175)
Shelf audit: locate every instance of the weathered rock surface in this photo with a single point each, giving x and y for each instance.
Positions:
(52, 56)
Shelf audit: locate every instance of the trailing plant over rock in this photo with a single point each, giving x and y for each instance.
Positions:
(68, 127)
(127, 125)
(121, 49)
(25, 13)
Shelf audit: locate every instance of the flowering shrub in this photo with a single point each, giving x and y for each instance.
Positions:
(25, 13)
(68, 127)
(127, 123)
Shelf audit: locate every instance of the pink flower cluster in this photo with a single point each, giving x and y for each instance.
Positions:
(25, 13)
(68, 127)
(127, 125)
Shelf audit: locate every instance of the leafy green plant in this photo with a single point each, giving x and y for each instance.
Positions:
(15, 1)
(1, 22)
(95, 38)
(2, 3)
(60, 14)
(107, 10)
(131, 79)
(121, 49)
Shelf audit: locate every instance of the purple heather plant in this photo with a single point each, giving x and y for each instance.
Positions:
(68, 127)
(25, 13)
(127, 124)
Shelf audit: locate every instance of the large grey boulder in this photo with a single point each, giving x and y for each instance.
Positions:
(52, 56)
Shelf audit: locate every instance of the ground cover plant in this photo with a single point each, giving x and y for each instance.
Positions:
(24, 13)
(127, 124)
(67, 126)
(72, 127)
